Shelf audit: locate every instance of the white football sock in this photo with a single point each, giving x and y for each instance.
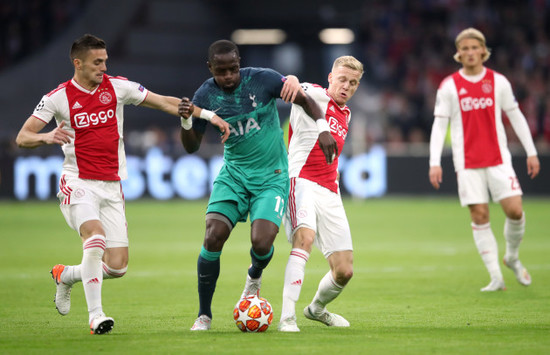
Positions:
(294, 278)
(513, 233)
(71, 274)
(328, 290)
(92, 273)
(487, 248)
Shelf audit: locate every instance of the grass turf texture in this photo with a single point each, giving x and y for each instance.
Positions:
(415, 289)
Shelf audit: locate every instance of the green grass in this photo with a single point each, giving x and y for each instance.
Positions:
(415, 289)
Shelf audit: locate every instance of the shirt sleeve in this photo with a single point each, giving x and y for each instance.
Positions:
(45, 110)
(129, 92)
(437, 139)
(519, 124)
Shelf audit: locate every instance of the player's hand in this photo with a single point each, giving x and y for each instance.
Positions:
(533, 166)
(222, 125)
(291, 88)
(185, 107)
(436, 176)
(58, 135)
(328, 146)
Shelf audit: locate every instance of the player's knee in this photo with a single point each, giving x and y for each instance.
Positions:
(343, 275)
(515, 213)
(261, 247)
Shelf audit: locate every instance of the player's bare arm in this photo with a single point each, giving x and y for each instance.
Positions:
(327, 143)
(290, 88)
(533, 166)
(168, 104)
(436, 176)
(29, 136)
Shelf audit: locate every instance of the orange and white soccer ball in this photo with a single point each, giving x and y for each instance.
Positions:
(253, 314)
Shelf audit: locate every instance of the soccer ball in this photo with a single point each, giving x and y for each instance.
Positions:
(253, 314)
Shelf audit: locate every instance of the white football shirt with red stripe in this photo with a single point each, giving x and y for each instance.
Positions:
(475, 112)
(96, 119)
(305, 158)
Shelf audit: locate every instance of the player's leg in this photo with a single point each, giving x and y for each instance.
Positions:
(300, 225)
(506, 190)
(330, 287)
(334, 241)
(473, 191)
(91, 270)
(267, 206)
(514, 229)
(294, 277)
(218, 229)
(486, 245)
(262, 236)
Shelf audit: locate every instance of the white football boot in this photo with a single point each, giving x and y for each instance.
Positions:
(327, 318)
(101, 324)
(494, 285)
(252, 287)
(203, 322)
(522, 275)
(63, 291)
(289, 325)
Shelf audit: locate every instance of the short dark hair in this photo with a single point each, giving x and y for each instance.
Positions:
(222, 46)
(84, 44)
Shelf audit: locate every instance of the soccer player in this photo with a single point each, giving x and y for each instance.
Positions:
(89, 114)
(254, 177)
(315, 212)
(472, 100)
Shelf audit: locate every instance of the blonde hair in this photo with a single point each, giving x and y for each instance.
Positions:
(473, 34)
(348, 61)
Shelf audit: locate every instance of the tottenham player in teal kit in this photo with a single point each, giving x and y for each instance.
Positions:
(254, 177)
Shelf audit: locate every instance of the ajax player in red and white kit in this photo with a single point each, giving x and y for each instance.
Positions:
(472, 101)
(89, 114)
(315, 213)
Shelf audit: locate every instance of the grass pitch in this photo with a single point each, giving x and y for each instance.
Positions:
(415, 289)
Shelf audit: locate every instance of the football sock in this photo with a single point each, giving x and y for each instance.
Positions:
(259, 263)
(294, 277)
(92, 274)
(328, 290)
(487, 248)
(72, 273)
(513, 233)
(208, 270)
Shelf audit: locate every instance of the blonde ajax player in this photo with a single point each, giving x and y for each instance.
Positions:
(472, 100)
(89, 114)
(315, 212)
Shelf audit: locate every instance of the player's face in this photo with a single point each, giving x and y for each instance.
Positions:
(225, 69)
(343, 83)
(471, 53)
(91, 68)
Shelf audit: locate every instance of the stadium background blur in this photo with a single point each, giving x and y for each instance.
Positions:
(406, 46)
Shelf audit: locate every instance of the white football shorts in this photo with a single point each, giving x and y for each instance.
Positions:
(474, 185)
(84, 200)
(315, 207)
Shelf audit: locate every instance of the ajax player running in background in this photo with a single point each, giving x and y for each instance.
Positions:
(89, 114)
(254, 177)
(315, 212)
(472, 101)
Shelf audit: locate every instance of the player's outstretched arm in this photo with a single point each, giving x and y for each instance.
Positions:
(327, 143)
(29, 136)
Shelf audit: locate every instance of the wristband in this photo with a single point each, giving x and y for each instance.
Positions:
(322, 125)
(207, 115)
(187, 123)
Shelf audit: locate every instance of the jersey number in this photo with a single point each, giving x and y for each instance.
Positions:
(280, 205)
